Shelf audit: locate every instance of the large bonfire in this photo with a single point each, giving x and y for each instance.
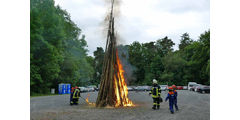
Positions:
(113, 88)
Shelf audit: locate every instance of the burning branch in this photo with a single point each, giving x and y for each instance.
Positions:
(88, 101)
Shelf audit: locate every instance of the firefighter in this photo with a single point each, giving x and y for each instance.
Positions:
(176, 94)
(75, 96)
(171, 97)
(71, 95)
(156, 95)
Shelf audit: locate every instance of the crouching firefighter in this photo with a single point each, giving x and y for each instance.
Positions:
(75, 96)
(171, 97)
(156, 95)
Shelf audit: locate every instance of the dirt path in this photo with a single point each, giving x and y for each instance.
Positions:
(192, 105)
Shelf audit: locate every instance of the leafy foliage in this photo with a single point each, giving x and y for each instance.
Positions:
(158, 60)
(58, 53)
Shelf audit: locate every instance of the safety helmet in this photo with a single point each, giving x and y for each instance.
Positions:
(170, 88)
(154, 81)
(174, 86)
(76, 87)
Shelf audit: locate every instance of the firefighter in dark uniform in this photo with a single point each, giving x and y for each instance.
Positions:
(75, 96)
(156, 95)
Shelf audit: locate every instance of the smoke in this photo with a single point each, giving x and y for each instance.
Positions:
(128, 68)
(122, 50)
(116, 7)
(117, 18)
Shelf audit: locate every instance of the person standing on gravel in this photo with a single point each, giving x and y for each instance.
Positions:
(75, 96)
(71, 95)
(156, 95)
(171, 97)
(176, 94)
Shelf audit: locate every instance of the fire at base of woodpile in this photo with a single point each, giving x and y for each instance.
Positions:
(120, 98)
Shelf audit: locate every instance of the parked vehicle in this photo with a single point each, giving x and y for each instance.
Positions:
(90, 89)
(185, 87)
(179, 87)
(83, 89)
(203, 89)
(134, 88)
(147, 88)
(143, 88)
(139, 88)
(130, 88)
(164, 87)
(191, 85)
(94, 86)
(196, 86)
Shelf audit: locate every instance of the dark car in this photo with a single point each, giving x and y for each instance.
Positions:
(203, 89)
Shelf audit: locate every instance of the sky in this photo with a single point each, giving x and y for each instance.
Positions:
(140, 20)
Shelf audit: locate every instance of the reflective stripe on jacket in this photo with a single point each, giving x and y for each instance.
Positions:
(156, 91)
(76, 93)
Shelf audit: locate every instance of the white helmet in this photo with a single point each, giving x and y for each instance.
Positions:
(154, 81)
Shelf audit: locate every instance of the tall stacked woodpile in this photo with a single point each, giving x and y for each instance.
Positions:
(113, 88)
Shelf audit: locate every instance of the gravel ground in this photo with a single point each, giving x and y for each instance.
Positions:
(192, 106)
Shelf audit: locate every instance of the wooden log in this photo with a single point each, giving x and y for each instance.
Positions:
(110, 73)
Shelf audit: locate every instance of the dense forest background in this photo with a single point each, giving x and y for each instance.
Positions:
(58, 54)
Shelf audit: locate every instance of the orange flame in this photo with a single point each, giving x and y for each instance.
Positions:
(88, 101)
(121, 89)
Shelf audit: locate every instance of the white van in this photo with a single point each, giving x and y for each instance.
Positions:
(191, 84)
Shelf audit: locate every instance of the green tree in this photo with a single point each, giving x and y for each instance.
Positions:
(98, 64)
(137, 59)
(164, 46)
(197, 56)
(184, 41)
(57, 48)
(174, 65)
